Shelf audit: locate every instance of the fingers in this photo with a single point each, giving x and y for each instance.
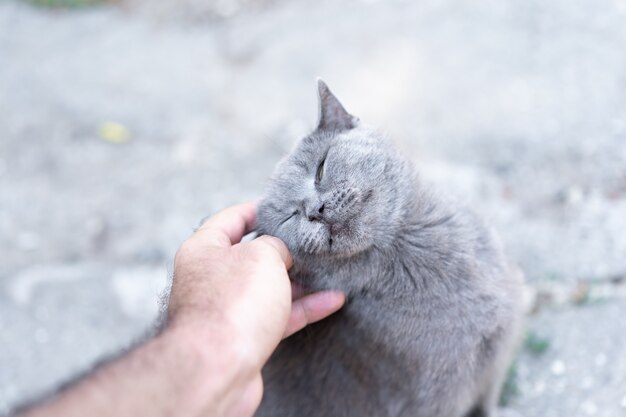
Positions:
(297, 291)
(279, 246)
(312, 308)
(228, 226)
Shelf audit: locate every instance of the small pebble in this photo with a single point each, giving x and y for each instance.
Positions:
(113, 132)
(574, 195)
(557, 368)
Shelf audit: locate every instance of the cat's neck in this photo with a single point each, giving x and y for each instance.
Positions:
(426, 238)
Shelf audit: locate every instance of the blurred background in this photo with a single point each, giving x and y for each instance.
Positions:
(123, 123)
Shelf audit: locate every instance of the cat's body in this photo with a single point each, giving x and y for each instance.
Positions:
(433, 308)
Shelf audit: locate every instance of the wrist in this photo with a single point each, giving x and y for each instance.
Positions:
(218, 331)
(222, 365)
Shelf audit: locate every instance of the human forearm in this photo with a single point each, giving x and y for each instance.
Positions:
(230, 305)
(190, 369)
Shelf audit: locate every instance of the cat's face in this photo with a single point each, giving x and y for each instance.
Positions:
(336, 194)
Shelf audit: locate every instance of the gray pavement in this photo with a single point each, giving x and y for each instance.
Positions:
(519, 108)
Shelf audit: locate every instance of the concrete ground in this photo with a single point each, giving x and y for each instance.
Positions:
(122, 126)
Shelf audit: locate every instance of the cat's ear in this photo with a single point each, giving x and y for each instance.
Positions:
(332, 114)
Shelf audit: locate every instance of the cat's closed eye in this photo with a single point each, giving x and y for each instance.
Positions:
(320, 171)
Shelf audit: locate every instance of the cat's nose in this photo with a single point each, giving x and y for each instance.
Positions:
(315, 212)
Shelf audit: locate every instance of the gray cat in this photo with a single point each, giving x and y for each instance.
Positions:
(433, 309)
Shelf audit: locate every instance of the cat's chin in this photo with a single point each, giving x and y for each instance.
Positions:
(320, 246)
(336, 247)
(335, 240)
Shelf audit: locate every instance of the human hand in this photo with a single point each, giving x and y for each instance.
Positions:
(230, 305)
(241, 291)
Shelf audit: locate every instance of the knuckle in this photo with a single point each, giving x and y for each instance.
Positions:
(187, 251)
(259, 252)
(274, 241)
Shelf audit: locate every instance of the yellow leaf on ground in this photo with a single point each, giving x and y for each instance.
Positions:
(113, 132)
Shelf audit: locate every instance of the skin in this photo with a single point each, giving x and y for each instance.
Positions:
(231, 304)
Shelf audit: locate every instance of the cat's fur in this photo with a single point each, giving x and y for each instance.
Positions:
(433, 307)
